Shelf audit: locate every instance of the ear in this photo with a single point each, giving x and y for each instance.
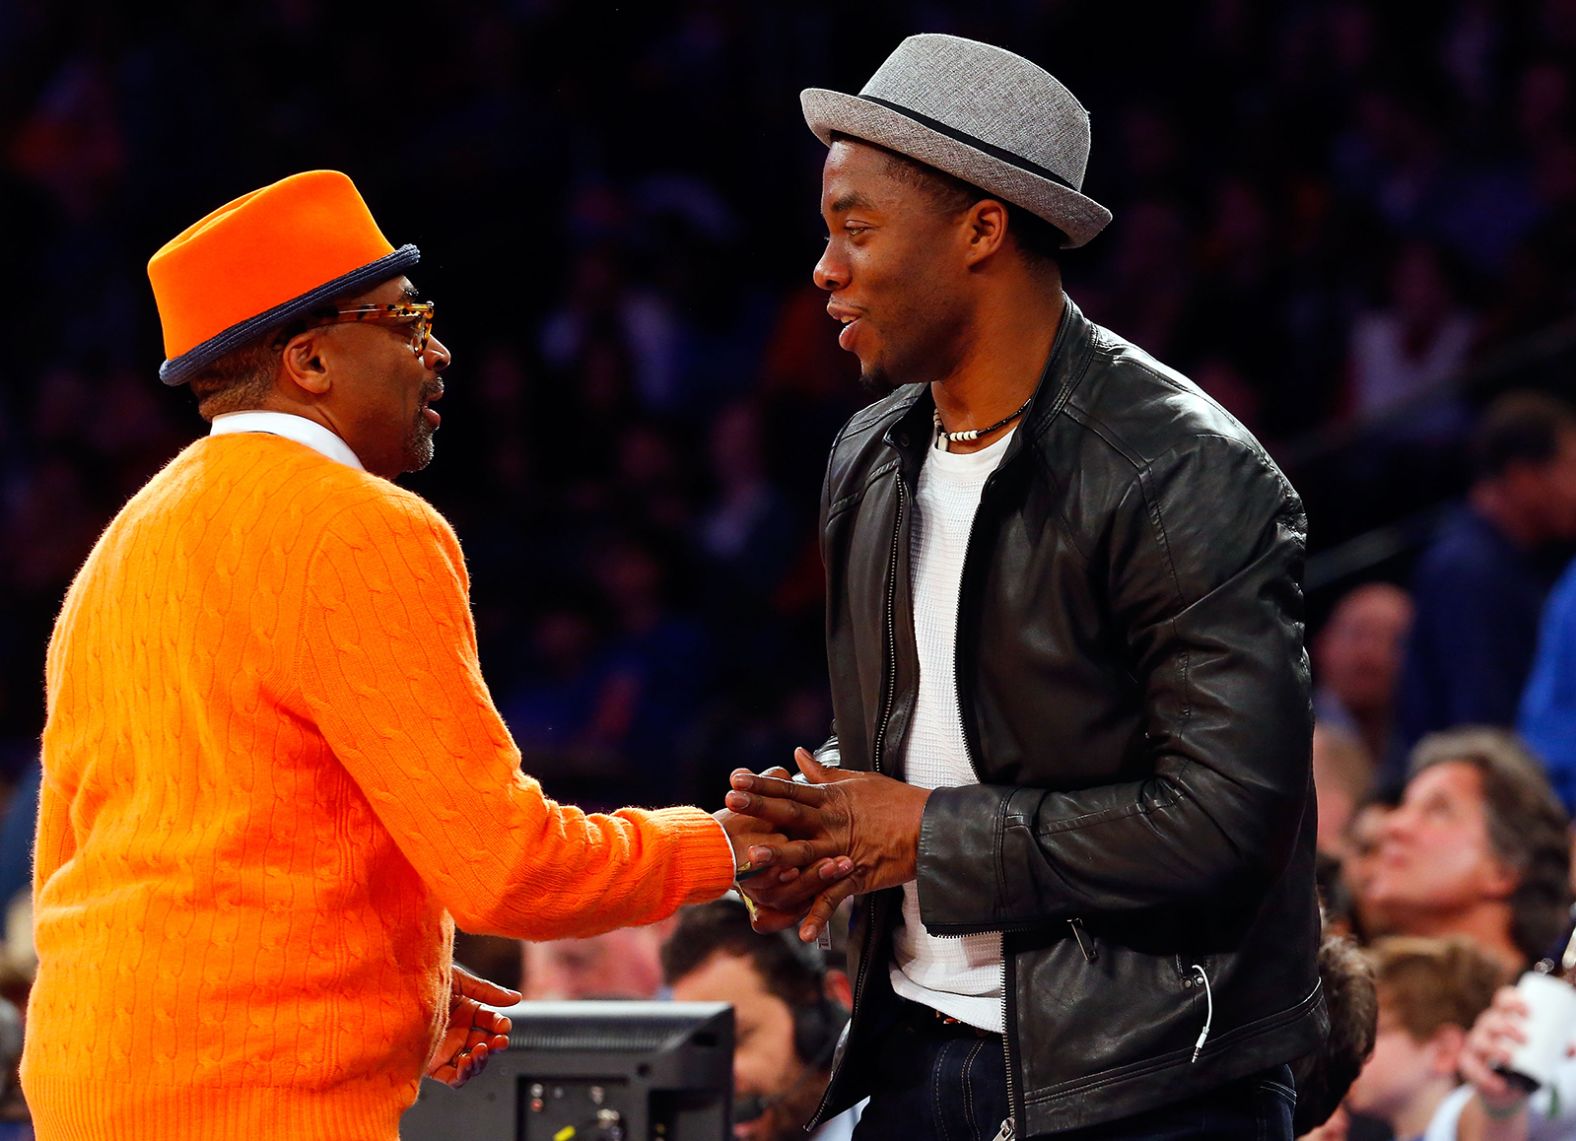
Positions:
(1444, 1049)
(985, 229)
(303, 365)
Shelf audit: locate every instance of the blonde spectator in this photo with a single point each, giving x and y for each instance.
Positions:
(1430, 992)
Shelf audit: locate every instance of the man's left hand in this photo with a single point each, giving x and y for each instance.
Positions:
(872, 819)
(474, 1031)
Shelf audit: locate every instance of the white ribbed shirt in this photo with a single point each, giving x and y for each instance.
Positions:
(961, 977)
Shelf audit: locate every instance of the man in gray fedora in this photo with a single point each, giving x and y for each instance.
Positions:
(1069, 780)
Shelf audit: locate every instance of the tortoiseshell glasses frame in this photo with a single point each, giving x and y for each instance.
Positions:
(419, 312)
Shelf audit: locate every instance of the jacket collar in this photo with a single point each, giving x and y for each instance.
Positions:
(910, 426)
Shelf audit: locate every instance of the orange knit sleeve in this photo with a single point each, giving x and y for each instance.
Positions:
(389, 671)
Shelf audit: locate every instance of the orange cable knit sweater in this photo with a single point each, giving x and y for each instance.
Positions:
(272, 774)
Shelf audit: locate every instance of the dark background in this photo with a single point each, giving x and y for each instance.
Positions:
(1353, 222)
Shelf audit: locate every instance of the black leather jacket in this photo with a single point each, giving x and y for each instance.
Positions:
(1135, 700)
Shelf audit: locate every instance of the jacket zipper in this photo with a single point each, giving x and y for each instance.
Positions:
(1009, 1129)
(875, 758)
(891, 631)
(1089, 952)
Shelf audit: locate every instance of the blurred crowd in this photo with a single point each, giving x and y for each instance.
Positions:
(1326, 213)
(1354, 223)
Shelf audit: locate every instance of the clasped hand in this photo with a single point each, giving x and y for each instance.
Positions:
(846, 833)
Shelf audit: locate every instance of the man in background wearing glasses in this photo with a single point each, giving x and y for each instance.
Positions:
(272, 771)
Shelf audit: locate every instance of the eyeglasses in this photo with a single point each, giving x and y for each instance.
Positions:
(419, 312)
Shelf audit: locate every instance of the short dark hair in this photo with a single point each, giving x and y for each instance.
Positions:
(792, 971)
(1039, 241)
(243, 377)
(1323, 1076)
(1519, 427)
(239, 380)
(1527, 825)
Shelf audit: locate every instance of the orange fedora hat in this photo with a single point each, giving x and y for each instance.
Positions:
(263, 260)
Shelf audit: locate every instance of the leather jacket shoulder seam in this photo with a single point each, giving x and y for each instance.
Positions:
(1152, 504)
(843, 503)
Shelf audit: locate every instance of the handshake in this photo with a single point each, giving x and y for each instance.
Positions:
(801, 848)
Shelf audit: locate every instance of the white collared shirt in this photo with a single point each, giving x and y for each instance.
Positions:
(291, 427)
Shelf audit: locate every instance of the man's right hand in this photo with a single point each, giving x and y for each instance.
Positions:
(756, 842)
(869, 820)
(778, 896)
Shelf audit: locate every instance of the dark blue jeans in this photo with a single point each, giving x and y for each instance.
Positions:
(936, 1082)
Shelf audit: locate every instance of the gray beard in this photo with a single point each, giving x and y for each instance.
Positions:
(419, 446)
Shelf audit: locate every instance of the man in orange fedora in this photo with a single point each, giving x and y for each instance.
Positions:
(272, 771)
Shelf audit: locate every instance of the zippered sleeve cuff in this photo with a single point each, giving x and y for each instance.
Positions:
(960, 878)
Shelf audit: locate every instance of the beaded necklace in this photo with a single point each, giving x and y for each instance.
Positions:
(943, 437)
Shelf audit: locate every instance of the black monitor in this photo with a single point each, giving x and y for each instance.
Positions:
(606, 1071)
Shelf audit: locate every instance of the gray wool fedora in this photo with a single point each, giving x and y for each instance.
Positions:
(979, 113)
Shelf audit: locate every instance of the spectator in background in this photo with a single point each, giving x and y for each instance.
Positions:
(1150, 269)
(1494, 1109)
(1547, 719)
(1269, 235)
(17, 825)
(1343, 774)
(745, 530)
(549, 712)
(746, 538)
(1356, 661)
(654, 670)
(14, 1124)
(1351, 904)
(1430, 993)
(621, 337)
(652, 480)
(1477, 848)
(616, 964)
(789, 1007)
(1404, 349)
(1480, 587)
